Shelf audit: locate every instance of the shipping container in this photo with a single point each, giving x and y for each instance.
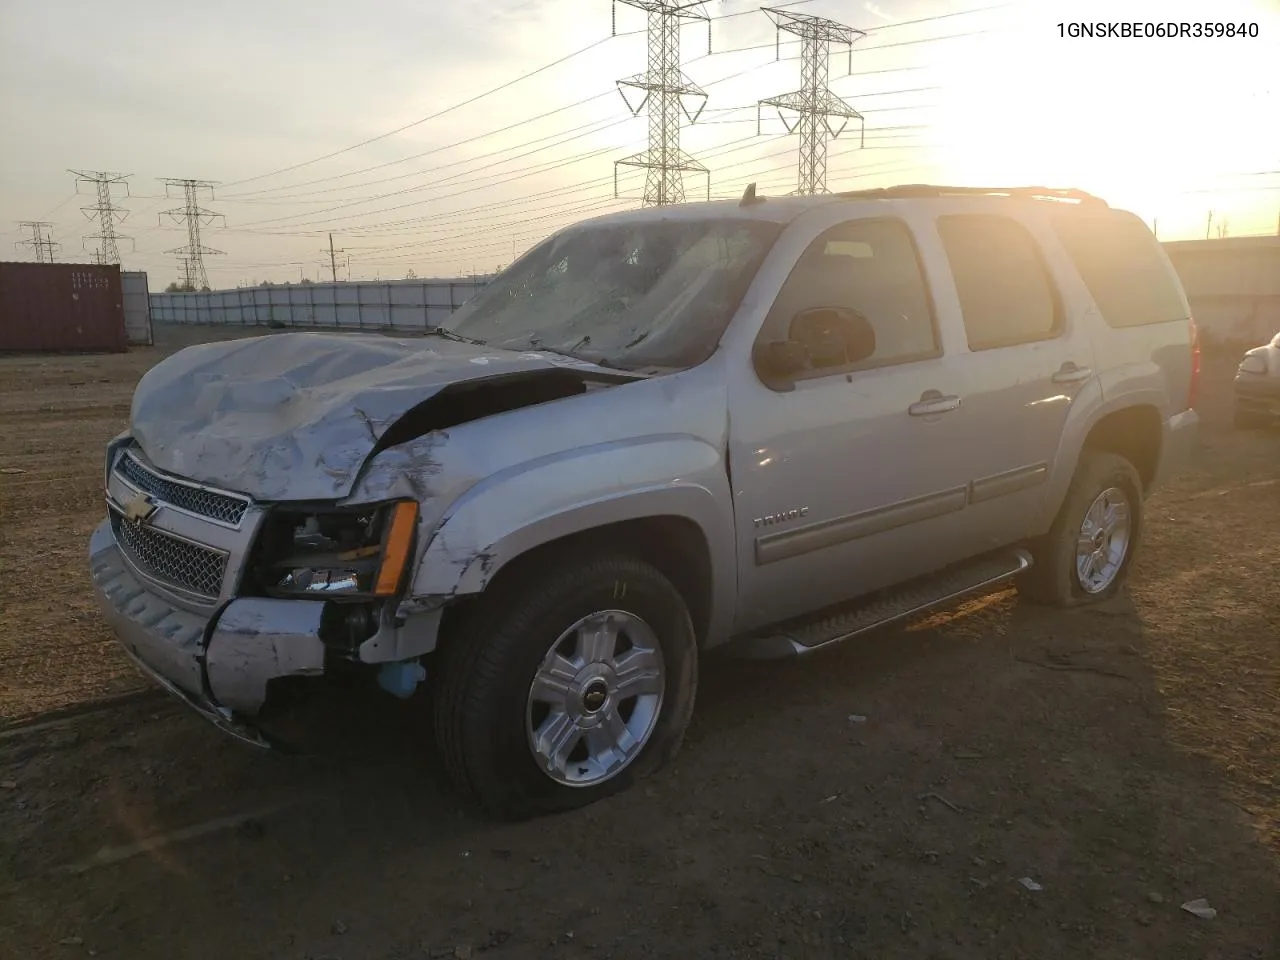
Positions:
(61, 307)
(137, 307)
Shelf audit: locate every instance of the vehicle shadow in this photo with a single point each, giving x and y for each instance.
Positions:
(893, 793)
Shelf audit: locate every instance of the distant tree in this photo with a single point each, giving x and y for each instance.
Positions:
(306, 282)
(411, 275)
(180, 287)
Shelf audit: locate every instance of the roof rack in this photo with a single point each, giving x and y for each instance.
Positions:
(918, 190)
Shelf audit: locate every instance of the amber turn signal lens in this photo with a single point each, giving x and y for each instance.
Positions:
(403, 516)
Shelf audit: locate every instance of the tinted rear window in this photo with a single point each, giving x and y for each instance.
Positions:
(1120, 262)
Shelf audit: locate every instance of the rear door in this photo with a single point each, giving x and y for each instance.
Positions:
(1140, 319)
(1028, 359)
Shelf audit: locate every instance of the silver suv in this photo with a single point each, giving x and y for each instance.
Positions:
(776, 424)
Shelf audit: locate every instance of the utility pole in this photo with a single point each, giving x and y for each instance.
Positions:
(664, 89)
(104, 211)
(192, 255)
(333, 263)
(814, 104)
(42, 245)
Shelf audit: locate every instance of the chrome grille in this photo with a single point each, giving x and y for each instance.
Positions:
(206, 503)
(187, 565)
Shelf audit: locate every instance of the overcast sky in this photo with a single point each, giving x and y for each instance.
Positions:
(960, 91)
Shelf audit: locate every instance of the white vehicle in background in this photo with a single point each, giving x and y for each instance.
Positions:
(1258, 386)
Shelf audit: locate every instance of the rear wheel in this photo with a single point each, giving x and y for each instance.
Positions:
(1086, 555)
(567, 686)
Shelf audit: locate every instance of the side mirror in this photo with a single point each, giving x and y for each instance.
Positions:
(833, 336)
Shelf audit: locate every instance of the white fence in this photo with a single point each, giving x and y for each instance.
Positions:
(396, 304)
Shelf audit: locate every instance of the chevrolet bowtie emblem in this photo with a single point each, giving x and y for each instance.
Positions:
(140, 509)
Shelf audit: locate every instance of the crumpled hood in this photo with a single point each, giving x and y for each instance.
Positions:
(293, 416)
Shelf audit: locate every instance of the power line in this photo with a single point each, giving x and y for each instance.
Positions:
(105, 212)
(471, 100)
(41, 245)
(813, 103)
(508, 127)
(422, 120)
(359, 201)
(192, 255)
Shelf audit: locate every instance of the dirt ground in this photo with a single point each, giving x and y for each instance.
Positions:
(883, 801)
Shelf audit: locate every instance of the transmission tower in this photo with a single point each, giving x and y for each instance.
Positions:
(664, 88)
(105, 211)
(42, 245)
(192, 255)
(813, 103)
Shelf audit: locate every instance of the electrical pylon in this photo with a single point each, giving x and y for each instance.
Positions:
(813, 103)
(42, 245)
(665, 89)
(104, 211)
(192, 255)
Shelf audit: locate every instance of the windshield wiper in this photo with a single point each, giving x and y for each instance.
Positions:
(450, 335)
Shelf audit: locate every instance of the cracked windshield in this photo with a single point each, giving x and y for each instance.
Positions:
(654, 293)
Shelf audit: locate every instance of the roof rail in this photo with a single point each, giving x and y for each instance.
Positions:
(917, 190)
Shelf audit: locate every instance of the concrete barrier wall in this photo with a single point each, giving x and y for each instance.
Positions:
(409, 305)
(1233, 285)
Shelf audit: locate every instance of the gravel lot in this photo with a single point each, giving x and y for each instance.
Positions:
(882, 801)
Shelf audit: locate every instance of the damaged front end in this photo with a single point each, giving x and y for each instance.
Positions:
(264, 526)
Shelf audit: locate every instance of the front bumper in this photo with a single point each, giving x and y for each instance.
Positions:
(219, 664)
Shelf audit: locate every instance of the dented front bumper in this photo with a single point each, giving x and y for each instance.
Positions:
(219, 664)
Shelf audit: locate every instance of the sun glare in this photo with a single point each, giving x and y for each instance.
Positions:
(1152, 124)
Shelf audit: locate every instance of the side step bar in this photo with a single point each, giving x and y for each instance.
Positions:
(897, 603)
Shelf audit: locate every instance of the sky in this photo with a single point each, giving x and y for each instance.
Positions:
(290, 108)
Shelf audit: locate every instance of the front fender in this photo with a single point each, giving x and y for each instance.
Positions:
(534, 503)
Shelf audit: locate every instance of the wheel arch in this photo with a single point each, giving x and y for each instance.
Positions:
(1131, 428)
(674, 545)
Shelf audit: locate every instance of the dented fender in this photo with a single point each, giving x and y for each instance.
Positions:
(519, 509)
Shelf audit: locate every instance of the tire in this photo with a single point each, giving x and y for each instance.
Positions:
(1245, 419)
(1055, 577)
(485, 708)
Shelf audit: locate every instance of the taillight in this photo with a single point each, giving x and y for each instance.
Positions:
(1193, 391)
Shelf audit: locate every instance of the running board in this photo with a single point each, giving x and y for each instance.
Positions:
(895, 604)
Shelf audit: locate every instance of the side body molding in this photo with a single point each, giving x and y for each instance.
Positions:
(526, 506)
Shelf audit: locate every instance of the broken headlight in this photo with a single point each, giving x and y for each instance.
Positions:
(360, 552)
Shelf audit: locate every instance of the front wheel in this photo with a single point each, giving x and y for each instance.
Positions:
(566, 686)
(1086, 555)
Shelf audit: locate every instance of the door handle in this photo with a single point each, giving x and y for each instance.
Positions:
(931, 402)
(1070, 373)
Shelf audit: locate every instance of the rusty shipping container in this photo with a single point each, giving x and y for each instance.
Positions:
(61, 307)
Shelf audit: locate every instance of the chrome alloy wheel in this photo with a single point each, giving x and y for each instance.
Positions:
(595, 699)
(1104, 540)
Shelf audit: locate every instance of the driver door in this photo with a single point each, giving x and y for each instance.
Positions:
(844, 479)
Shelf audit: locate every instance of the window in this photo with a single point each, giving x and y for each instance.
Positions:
(1005, 293)
(871, 268)
(1119, 261)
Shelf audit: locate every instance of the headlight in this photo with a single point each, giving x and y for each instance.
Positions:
(358, 552)
(1254, 364)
